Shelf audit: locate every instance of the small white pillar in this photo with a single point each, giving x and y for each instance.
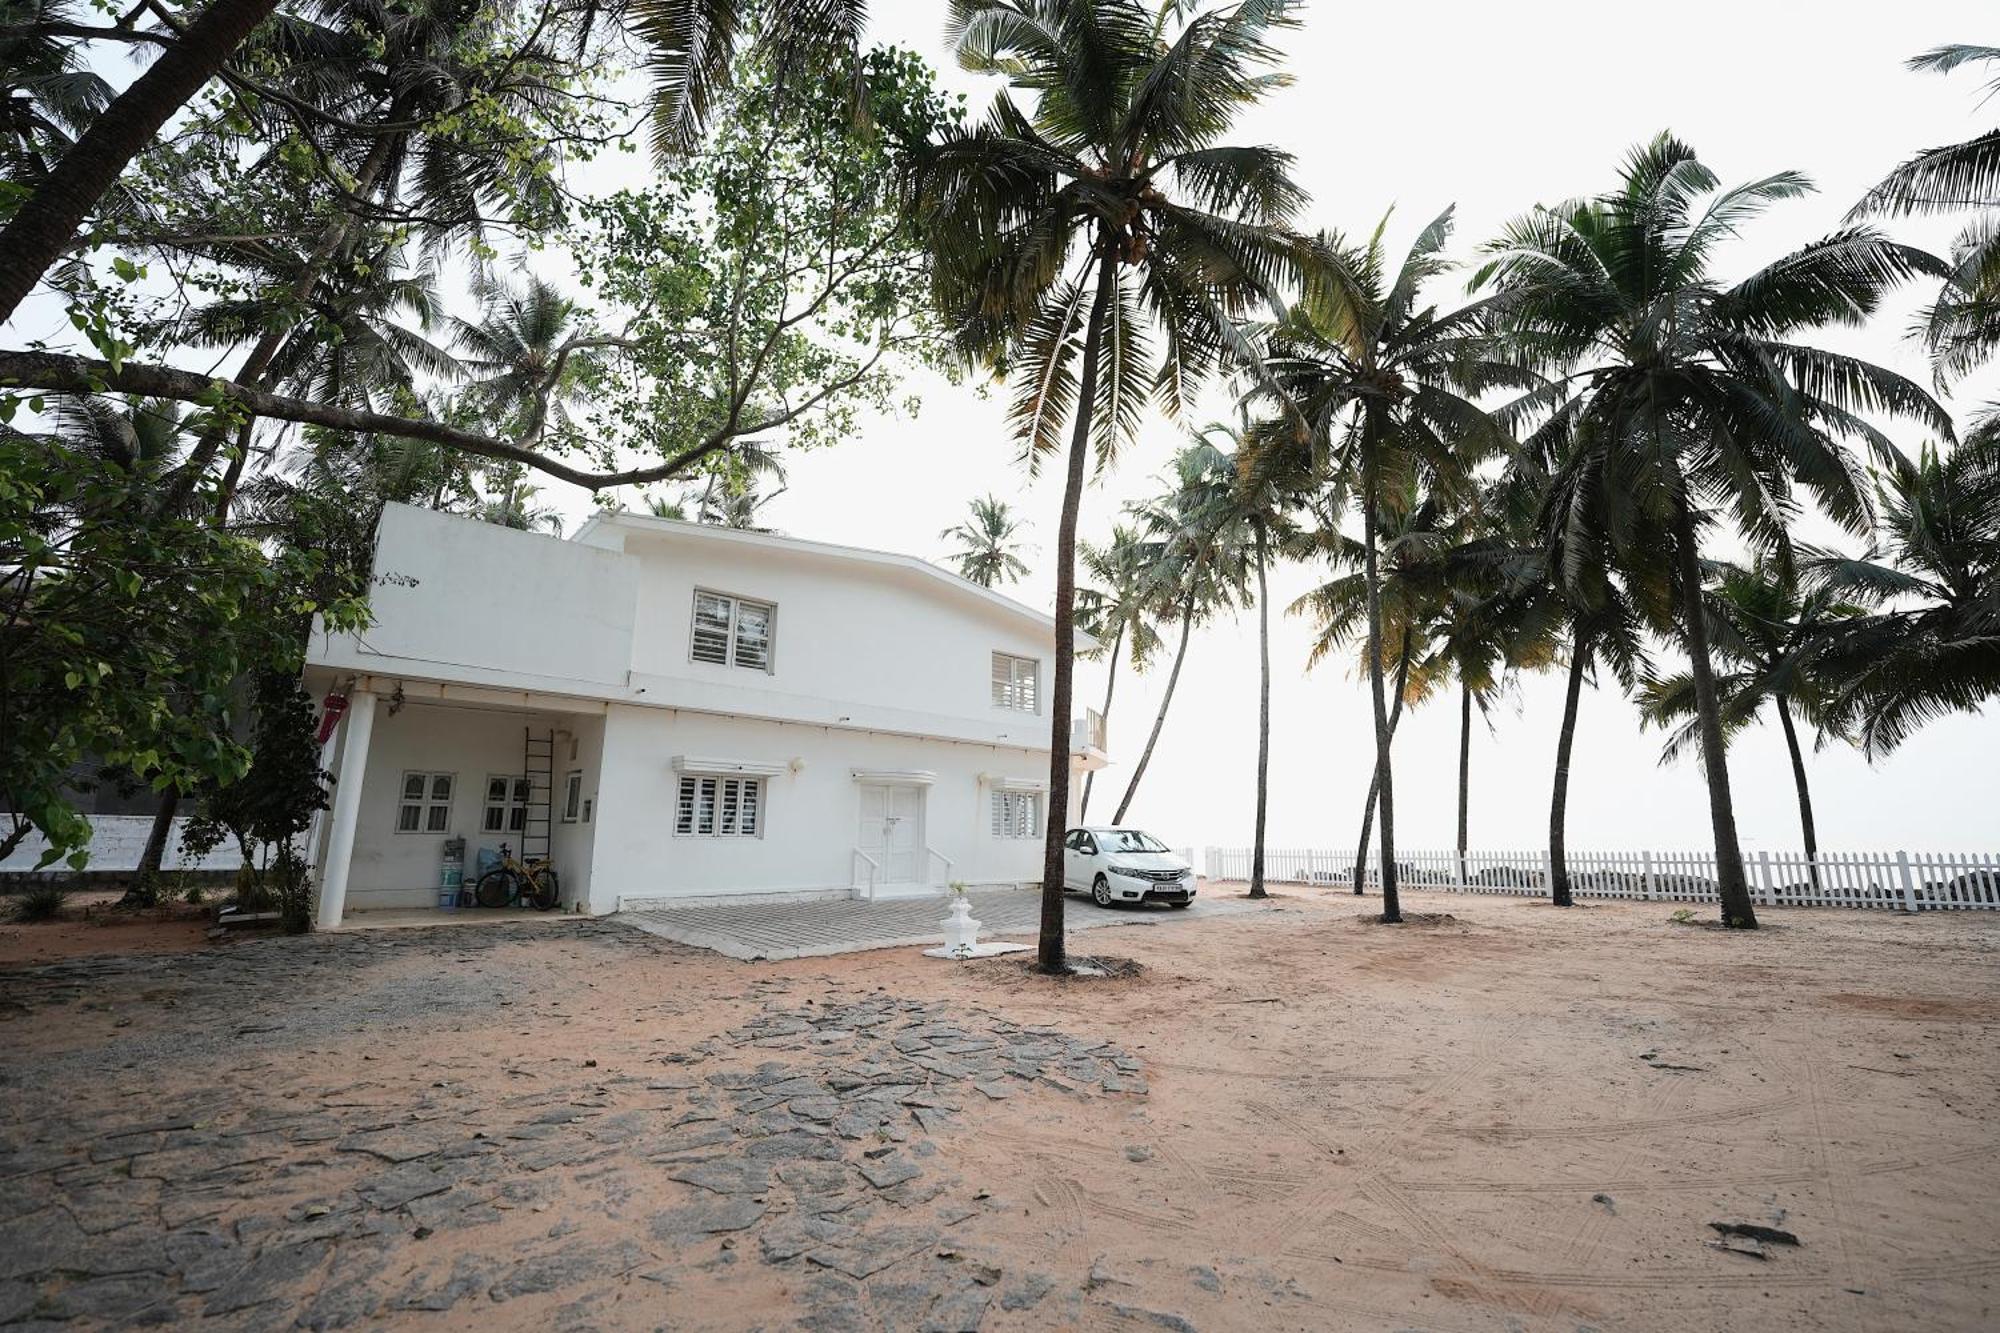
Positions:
(357, 727)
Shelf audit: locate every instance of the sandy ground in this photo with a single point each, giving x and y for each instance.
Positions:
(90, 927)
(1518, 1118)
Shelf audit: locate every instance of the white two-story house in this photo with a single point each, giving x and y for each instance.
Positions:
(674, 710)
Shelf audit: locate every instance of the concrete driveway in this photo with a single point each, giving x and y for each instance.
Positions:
(775, 930)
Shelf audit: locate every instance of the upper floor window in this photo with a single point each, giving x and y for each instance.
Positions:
(730, 631)
(1017, 683)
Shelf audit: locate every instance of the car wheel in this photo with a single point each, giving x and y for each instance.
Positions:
(1100, 891)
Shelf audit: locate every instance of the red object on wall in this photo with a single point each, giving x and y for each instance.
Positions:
(332, 708)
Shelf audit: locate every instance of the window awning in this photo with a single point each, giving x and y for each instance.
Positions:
(897, 777)
(688, 763)
(1017, 784)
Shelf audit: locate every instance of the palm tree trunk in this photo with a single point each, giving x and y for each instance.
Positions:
(1110, 684)
(1375, 778)
(1731, 887)
(48, 220)
(1160, 718)
(1559, 894)
(1051, 955)
(1464, 770)
(1384, 779)
(1263, 720)
(1805, 795)
(156, 840)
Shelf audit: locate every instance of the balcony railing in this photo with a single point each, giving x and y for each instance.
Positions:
(1087, 732)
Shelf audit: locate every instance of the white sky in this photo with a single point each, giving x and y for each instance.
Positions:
(1494, 107)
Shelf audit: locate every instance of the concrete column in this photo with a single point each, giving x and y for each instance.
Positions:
(357, 727)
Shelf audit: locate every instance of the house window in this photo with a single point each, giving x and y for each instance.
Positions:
(729, 631)
(720, 807)
(572, 796)
(1017, 683)
(425, 806)
(506, 805)
(1017, 814)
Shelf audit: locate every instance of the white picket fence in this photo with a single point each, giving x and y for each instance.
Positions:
(1903, 881)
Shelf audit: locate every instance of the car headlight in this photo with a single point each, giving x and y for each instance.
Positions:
(1126, 871)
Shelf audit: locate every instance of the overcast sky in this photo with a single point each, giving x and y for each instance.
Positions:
(1493, 108)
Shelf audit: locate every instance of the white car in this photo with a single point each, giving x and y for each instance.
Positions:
(1125, 865)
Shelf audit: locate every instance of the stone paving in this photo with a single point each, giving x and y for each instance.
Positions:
(776, 930)
(802, 1139)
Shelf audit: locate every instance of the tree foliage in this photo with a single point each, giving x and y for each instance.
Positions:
(124, 631)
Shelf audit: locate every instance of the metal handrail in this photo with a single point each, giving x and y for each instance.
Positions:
(932, 851)
(874, 868)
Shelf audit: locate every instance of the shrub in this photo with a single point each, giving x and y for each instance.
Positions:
(291, 887)
(42, 902)
(142, 892)
(251, 893)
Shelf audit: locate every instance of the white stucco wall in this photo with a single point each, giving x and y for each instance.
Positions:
(474, 601)
(877, 664)
(118, 841)
(392, 869)
(579, 748)
(811, 817)
(880, 645)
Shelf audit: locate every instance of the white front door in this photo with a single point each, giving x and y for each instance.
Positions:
(892, 831)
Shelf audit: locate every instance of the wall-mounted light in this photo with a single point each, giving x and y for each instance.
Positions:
(798, 765)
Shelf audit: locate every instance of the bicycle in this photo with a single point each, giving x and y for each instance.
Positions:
(513, 882)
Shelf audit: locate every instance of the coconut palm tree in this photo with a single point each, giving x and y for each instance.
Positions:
(735, 504)
(1493, 617)
(1254, 514)
(1199, 567)
(694, 44)
(400, 77)
(1241, 513)
(1378, 389)
(526, 361)
(1605, 631)
(363, 77)
(43, 223)
(1936, 561)
(1963, 326)
(54, 94)
(1117, 610)
(987, 550)
(1680, 399)
(1594, 618)
(1772, 638)
(1101, 243)
(1412, 582)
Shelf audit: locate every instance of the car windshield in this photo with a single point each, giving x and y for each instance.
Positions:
(1130, 840)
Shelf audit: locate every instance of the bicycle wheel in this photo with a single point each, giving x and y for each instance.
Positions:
(497, 888)
(544, 890)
